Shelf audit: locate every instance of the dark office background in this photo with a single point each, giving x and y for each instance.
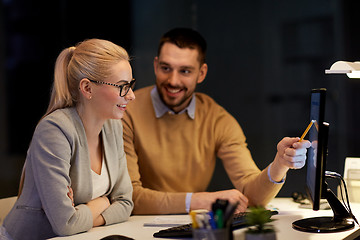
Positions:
(264, 57)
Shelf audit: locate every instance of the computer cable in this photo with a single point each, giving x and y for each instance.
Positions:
(342, 183)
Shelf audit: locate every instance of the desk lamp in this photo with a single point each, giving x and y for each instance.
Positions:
(352, 69)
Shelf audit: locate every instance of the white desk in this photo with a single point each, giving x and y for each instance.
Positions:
(288, 213)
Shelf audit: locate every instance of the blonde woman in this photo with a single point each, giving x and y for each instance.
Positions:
(75, 175)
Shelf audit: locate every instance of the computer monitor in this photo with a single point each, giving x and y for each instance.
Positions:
(316, 160)
(316, 186)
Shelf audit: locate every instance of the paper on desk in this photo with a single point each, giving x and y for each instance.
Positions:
(168, 221)
(352, 168)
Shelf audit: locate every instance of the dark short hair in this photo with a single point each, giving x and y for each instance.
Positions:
(185, 38)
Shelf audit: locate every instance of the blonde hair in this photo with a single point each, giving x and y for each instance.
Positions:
(90, 59)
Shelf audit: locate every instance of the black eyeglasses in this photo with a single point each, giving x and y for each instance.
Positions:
(124, 88)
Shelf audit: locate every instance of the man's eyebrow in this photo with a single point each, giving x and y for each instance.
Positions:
(164, 63)
(183, 67)
(188, 67)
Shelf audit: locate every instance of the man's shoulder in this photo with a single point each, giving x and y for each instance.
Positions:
(207, 106)
(143, 92)
(203, 99)
(209, 112)
(142, 103)
(142, 98)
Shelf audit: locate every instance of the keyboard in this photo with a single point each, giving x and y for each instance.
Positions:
(185, 231)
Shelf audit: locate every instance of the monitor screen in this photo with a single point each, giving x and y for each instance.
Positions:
(315, 163)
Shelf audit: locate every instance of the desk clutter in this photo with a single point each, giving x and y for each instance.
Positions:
(204, 221)
(214, 224)
(219, 217)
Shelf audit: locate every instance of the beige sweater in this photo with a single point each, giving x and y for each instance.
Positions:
(172, 155)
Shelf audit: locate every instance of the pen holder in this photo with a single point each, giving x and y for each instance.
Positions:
(212, 234)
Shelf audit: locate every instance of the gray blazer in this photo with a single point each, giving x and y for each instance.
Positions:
(58, 157)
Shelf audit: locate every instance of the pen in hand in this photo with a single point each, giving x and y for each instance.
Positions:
(307, 130)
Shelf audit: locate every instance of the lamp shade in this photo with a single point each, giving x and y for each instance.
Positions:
(352, 69)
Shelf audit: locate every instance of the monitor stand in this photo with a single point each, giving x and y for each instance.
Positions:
(341, 221)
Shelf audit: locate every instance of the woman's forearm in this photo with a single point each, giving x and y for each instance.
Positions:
(97, 206)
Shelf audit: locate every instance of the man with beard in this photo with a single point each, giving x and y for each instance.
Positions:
(172, 136)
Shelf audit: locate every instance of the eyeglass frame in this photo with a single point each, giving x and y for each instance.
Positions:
(131, 84)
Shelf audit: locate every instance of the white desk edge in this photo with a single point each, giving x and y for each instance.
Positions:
(289, 212)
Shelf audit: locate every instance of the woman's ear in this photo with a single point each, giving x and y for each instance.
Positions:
(85, 88)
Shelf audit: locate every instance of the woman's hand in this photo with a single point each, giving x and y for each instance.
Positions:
(70, 194)
(97, 206)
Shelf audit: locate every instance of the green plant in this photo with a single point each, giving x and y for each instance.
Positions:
(259, 218)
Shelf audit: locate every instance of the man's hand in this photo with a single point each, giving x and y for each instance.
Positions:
(204, 200)
(291, 154)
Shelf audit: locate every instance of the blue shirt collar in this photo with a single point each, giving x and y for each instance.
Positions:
(161, 108)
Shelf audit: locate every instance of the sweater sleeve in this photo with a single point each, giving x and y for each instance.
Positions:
(49, 154)
(148, 201)
(237, 160)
